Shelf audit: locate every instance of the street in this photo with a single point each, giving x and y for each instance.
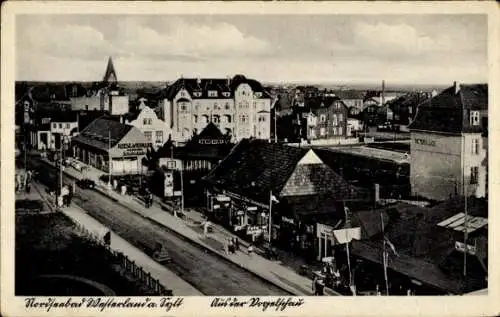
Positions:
(208, 273)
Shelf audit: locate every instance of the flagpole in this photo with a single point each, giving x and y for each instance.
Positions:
(270, 215)
(347, 247)
(384, 254)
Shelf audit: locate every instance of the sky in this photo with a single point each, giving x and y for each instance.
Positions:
(403, 49)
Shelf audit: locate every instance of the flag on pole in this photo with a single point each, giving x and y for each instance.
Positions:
(274, 199)
(389, 243)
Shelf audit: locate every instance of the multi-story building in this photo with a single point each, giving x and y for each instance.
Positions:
(154, 129)
(447, 150)
(50, 129)
(331, 119)
(238, 106)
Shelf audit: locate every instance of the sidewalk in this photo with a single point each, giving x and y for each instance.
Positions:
(283, 276)
(166, 277)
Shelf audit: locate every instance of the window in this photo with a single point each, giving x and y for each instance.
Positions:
(60, 125)
(197, 106)
(148, 135)
(262, 119)
(147, 121)
(341, 118)
(475, 146)
(335, 122)
(216, 106)
(245, 104)
(54, 125)
(205, 119)
(334, 131)
(67, 125)
(216, 119)
(254, 105)
(159, 137)
(212, 93)
(227, 119)
(322, 118)
(243, 118)
(474, 117)
(258, 94)
(227, 106)
(183, 107)
(226, 94)
(474, 174)
(322, 131)
(195, 119)
(340, 130)
(197, 94)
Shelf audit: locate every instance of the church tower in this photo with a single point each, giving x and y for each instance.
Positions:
(110, 75)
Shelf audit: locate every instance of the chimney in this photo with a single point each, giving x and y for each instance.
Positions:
(198, 81)
(377, 193)
(457, 87)
(228, 81)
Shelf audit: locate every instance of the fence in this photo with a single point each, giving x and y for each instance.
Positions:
(129, 266)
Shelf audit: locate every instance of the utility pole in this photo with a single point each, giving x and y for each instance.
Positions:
(109, 158)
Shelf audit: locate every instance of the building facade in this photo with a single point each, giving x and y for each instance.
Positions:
(154, 129)
(330, 120)
(111, 146)
(447, 145)
(237, 106)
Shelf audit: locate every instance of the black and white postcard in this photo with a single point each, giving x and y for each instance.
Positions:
(249, 158)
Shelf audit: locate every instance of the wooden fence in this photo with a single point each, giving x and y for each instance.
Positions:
(129, 266)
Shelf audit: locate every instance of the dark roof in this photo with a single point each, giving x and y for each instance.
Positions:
(110, 71)
(87, 117)
(446, 112)
(254, 167)
(57, 116)
(323, 208)
(320, 102)
(98, 132)
(349, 94)
(203, 85)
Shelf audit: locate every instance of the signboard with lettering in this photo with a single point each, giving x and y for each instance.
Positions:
(255, 230)
(133, 149)
(425, 142)
(212, 141)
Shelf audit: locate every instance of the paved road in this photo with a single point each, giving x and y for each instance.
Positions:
(208, 273)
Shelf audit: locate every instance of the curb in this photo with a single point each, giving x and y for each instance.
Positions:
(212, 251)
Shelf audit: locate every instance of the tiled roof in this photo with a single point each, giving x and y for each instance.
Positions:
(255, 167)
(210, 132)
(98, 132)
(203, 85)
(445, 112)
(322, 208)
(320, 102)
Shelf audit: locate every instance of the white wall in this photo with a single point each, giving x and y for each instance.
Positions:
(156, 125)
(119, 105)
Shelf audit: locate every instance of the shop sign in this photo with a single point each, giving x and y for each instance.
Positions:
(460, 246)
(254, 230)
(244, 199)
(133, 148)
(425, 142)
(212, 141)
(288, 220)
(324, 230)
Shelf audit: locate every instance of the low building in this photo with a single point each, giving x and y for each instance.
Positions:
(111, 146)
(51, 129)
(243, 188)
(447, 150)
(425, 248)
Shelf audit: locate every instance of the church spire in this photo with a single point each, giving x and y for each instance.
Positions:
(110, 75)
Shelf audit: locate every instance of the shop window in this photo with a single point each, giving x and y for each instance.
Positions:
(474, 175)
(148, 135)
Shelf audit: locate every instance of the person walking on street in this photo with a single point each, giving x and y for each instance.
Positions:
(236, 244)
(250, 249)
(231, 246)
(226, 251)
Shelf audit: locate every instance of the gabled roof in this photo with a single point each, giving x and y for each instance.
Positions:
(211, 131)
(221, 85)
(321, 102)
(97, 133)
(255, 167)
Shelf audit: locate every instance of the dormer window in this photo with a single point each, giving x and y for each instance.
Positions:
(212, 93)
(474, 118)
(226, 94)
(258, 94)
(197, 93)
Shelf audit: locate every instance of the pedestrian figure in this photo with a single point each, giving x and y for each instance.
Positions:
(313, 287)
(237, 244)
(250, 249)
(28, 187)
(150, 199)
(231, 245)
(320, 286)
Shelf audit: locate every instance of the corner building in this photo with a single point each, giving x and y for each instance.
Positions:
(447, 151)
(238, 106)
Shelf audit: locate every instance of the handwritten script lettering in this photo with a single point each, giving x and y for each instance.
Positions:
(279, 304)
(101, 304)
(425, 142)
